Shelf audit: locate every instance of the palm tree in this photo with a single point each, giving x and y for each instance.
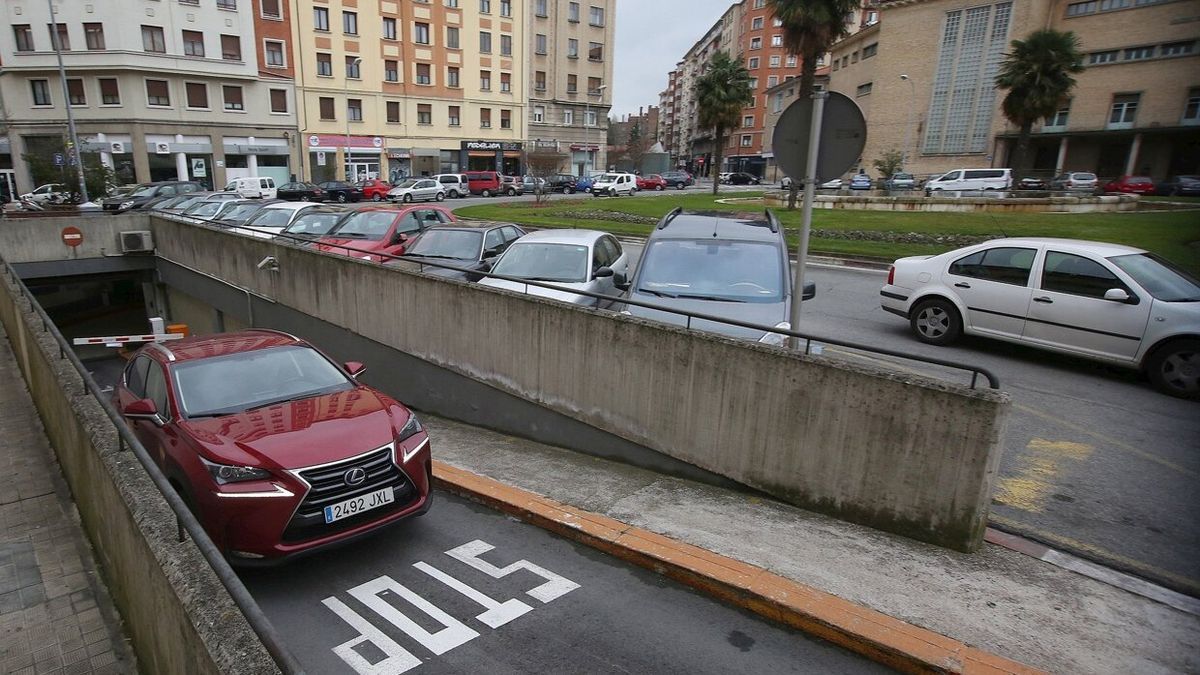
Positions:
(810, 27)
(1038, 76)
(721, 93)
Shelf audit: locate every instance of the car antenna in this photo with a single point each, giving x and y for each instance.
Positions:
(997, 222)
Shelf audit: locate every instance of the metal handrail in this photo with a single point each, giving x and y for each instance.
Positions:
(185, 519)
(976, 371)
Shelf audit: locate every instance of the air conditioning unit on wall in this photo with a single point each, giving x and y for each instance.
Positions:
(137, 241)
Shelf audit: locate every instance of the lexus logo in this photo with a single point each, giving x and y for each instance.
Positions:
(355, 476)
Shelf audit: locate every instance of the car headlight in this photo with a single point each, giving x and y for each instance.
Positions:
(224, 474)
(776, 339)
(126, 205)
(411, 428)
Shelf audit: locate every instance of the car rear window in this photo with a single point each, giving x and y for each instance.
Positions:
(1085, 176)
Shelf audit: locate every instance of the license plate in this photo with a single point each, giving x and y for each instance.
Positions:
(353, 507)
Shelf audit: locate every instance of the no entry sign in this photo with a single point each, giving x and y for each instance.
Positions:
(72, 236)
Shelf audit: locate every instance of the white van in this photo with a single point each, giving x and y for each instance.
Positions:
(455, 185)
(971, 179)
(253, 187)
(613, 184)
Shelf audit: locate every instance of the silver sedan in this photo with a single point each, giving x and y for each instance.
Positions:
(417, 189)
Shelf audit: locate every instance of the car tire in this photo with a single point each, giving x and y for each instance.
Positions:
(453, 194)
(441, 196)
(341, 197)
(511, 192)
(408, 198)
(1174, 368)
(376, 197)
(568, 190)
(679, 186)
(485, 193)
(935, 321)
(612, 192)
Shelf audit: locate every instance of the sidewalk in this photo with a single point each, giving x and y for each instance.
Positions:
(996, 600)
(55, 614)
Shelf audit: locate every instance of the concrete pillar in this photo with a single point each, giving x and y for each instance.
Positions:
(181, 162)
(217, 170)
(500, 161)
(1134, 149)
(1062, 156)
(342, 157)
(141, 158)
(105, 156)
(21, 173)
(252, 159)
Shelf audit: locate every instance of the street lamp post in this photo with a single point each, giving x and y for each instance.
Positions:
(346, 163)
(912, 102)
(587, 112)
(75, 152)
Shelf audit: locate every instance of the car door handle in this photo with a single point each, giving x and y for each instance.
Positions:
(962, 284)
(1044, 300)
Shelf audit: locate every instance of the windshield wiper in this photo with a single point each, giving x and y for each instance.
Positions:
(707, 297)
(658, 293)
(300, 397)
(430, 255)
(561, 281)
(347, 235)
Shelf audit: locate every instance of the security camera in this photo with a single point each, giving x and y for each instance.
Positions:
(269, 264)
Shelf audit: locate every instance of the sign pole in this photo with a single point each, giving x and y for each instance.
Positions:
(810, 190)
(86, 204)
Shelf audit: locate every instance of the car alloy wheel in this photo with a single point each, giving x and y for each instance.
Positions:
(612, 192)
(679, 186)
(453, 194)
(568, 190)
(408, 198)
(936, 322)
(486, 192)
(341, 197)
(659, 187)
(376, 198)
(512, 192)
(1174, 368)
(441, 196)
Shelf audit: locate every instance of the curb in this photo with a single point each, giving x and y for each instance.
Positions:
(864, 631)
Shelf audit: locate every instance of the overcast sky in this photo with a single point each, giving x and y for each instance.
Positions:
(652, 35)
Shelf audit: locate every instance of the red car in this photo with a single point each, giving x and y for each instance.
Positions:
(373, 189)
(277, 449)
(651, 182)
(381, 229)
(1136, 185)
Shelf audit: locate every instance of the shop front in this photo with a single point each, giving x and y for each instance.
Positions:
(502, 156)
(180, 157)
(583, 158)
(353, 159)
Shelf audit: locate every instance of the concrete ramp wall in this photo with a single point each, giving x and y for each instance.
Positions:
(899, 453)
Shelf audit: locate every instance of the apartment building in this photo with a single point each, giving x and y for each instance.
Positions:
(409, 88)
(160, 89)
(924, 78)
(570, 68)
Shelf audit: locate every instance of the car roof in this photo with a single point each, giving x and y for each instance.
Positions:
(221, 344)
(290, 206)
(562, 237)
(703, 225)
(473, 225)
(1100, 248)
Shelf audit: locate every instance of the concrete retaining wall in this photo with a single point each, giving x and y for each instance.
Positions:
(39, 239)
(900, 453)
(177, 613)
(999, 203)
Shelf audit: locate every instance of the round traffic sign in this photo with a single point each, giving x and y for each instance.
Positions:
(72, 236)
(843, 135)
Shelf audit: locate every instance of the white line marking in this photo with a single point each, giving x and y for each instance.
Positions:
(454, 634)
(398, 659)
(1123, 581)
(555, 586)
(497, 614)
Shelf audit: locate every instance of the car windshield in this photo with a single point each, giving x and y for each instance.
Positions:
(406, 183)
(1085, 176)
(144, 191)
(313, 224)
(1160, 278)
(456, 244)
(204, 209)
(373, 225)
(1139, 179)
(230, 384)
(237, 212)
(545, 262)
(902, 176)
(607, 178)
(267, 217)
(734, 271)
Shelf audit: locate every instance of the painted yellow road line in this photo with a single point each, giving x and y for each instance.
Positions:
(1030, 487)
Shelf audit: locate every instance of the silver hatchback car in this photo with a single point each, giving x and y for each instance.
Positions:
(571, 260)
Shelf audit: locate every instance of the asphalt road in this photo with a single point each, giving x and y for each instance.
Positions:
(416, 597)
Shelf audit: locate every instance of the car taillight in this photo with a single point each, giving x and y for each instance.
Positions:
(891, 275)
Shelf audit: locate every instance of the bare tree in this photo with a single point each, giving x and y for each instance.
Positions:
(544, 162)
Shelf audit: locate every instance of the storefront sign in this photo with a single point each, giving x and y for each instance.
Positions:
(314, 140)
(490, 145)
(339, 141)
(585, 148)
(320, 159)
(199, 168)
(399, 154)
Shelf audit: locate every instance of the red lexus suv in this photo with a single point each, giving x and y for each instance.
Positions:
(278, 450)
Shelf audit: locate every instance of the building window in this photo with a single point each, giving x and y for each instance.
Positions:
(778, 107)
(747, 140)
(320, 18)
(505, 7)
(193, 43)
(485, 118)
(863, 89)
(195, 95)
(748, 121)
(93, 35)
(1123, 111)
(572, 48)
(485, 6)
(595, 51)
(756, 23)
(572, 83)
(485, 42)
(1096, 58)
(41, 92)
(539, 80)
(539, 113)
(325, 65)
(485, 80)
(752, 63)
(854, 57)
(452, 3)
(354, 109)
(64, 38)
(24, 36)
(756, 43)
(421, 33)
(270, 9)
(539, 44)
(776, 40)
(452, 38)
(1191, 110)
(424, 113)
(962, 103)
(1178, 48)
(393, 112)
(568, 116)
(350, 23)
(573, 12)
(870, 50)
(354, 67)
(774, 61)
(589, 118)
(539, 8)
(1139, 53)
(454, 116)
(327, 108)
(391, 71)
(753, 86)
(452, 77)
(1058, 121)
(226, 4)
(596, 16)
(110, 92)
(231, 48)
(594, 85)
(153, 40)
(505, 118)
(424, 75)
(274, 52)
(279, 102)
(790, 61)
(158, 93)
(1079, 8)
(233, 98)
(506, 82)
(389, 28)
(505, 45)
(772, 80)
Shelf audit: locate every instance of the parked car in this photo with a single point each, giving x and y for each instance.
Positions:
(417, 189)
(274, 218)
(742, 178)
(197, 405)
(613, 184)
(208, 207)
(561, 182)
(835, 184)
(1182, 186)
(314, 223)
(571, 260)
(532, 184)
(468, 247)
(253, 187)
(584, 183)
(50, 193)
(860, 181)
(900, 181)
(455, 185)
(652, 181)
(484, 183)
(735, 268)
(147, 191)
(512, 185)
(1089, 299)
(373, 189)
(678, 179)
(1031, 183)
(1075, 181)
(237, 212)
(340, 191)
(1135, 185)
(379, 232)
(176, 203)
(300, 192)
(723, 177)
(970, 179)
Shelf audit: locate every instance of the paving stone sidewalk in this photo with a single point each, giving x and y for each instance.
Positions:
(55, 613)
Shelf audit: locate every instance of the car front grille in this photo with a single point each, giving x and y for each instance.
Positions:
(328, 486)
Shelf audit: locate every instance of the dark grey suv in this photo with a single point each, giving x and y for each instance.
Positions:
(149, 191)
(710, 263)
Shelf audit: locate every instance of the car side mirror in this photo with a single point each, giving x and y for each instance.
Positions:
(494, 251)
(354, 368)
(398, 238)
(810, 291)
(142, 409)
(621, 282)
(603, 272)
(485, 267)
(1118, 295)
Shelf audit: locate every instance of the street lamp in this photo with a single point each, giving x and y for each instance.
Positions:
(587, 112)
(353, 67)
(76, 152)
(912, 102)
